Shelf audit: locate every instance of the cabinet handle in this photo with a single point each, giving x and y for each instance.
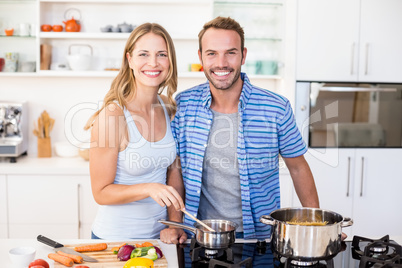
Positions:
(347, 187)
(352, 61)
(367, 56)
(362, 176)
(78, 210)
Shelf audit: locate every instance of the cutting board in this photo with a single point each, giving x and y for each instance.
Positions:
(106, 258)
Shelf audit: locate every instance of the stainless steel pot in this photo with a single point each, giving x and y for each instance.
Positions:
(306, 243)
(223, 237)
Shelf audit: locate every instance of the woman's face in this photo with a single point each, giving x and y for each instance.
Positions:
(149, 61)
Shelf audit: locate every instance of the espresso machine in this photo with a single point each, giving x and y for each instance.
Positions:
(13, 129)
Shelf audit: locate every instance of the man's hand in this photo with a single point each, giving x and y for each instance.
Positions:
(173, 236)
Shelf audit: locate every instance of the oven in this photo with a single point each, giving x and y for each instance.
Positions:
(360, 252)
(349, 115)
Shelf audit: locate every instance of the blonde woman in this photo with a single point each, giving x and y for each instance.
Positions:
(132, 147)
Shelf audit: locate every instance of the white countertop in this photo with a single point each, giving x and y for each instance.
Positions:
(48, 165)
(43, 250)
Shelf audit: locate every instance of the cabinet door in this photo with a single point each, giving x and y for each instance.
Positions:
(327, 40)
(380, 43)
(42, 204)
(378, 199)
(333, 174)
(3, 207)
(88, 207)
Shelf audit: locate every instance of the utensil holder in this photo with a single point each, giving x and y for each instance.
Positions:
(44, 147)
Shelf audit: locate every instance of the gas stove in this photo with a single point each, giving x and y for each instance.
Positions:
(360, 252)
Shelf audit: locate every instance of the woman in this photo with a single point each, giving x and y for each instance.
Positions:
(132, 145)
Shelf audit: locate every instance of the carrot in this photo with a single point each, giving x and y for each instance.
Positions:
(91, 247)
(147, 244)
(61, 259)
(138, 245)
(75, 258)
(115, 250)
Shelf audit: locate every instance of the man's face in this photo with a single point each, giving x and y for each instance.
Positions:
(222, 57)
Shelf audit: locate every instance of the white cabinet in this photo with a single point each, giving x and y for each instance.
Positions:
(349, 40)
(3, 207)
(363, 184)
(57, 206)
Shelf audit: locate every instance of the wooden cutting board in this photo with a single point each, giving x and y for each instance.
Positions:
(106, 258)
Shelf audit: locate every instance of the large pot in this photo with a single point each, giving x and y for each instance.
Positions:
(306, 243)
(223, 238)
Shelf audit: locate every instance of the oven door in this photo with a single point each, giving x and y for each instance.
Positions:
(349, 115)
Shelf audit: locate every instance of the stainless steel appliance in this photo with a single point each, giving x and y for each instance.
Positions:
(360, 252)
(346, 115)
(13, 129)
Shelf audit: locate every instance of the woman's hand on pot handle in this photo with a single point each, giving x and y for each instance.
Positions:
(165, 195)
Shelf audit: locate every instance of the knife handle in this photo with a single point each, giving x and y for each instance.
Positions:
(49, 241)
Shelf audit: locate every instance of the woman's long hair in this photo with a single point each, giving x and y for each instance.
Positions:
(123, 86)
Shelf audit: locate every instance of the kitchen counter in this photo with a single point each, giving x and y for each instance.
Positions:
(51, 165)
(43, 250)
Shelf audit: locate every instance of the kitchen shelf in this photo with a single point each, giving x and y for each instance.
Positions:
(248, 3)
(129, 1)
(17, 36)
(100, 35)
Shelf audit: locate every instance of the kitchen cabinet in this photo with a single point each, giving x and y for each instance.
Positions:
(56, 206)
(3, 207)
(349, 40)
(183, 20)
(363, 184)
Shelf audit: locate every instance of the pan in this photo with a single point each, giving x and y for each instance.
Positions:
(223, 237)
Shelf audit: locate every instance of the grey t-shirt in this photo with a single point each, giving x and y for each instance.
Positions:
(220, 189)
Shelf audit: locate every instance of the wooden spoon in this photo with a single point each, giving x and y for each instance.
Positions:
(197, 220)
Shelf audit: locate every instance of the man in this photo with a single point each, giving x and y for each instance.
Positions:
(229, 135)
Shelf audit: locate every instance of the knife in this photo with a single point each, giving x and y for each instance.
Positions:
(58, 246)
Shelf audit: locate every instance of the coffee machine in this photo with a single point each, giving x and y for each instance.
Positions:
(13, 129)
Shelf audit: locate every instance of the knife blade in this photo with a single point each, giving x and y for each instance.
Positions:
(60, 247)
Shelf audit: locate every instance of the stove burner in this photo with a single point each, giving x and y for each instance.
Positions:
(211, 253)
(303, 263)
(376, 252)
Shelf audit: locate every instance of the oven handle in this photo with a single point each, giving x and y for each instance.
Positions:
(361, 179)
(347, 187)
(364, 89)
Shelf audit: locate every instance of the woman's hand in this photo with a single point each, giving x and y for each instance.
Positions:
(165, 195)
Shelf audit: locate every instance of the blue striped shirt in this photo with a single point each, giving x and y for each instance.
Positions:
(267, 128)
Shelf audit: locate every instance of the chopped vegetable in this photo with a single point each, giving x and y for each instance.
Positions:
(125, 252)
(147, 244)
(151, 254)
(140, 252)
(115, 250)
(159, 252)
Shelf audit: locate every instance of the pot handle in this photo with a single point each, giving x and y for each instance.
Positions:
(178, 225)
(267, 220)
(346, 222)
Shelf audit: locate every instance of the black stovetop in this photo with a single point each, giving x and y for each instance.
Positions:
(256, 255)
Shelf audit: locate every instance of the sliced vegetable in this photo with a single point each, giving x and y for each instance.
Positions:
(140, 252)
(147, 244)
(139, 262)
(159, 252)
(115, 250)
(151, 254)
(125, 252)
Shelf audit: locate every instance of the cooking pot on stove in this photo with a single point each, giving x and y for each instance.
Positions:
(221, 239)
(306, 242)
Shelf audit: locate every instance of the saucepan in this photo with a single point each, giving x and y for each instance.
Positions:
(222, 238)
(306, 234)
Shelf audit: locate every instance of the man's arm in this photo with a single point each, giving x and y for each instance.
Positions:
(303, 181)
(173, 235)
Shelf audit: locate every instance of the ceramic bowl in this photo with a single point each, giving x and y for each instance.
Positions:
(21, 257)
(65, 149)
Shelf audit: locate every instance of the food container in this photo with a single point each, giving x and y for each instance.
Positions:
(306, 243)
(79, 62)
(221, 239)
(21, 257)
